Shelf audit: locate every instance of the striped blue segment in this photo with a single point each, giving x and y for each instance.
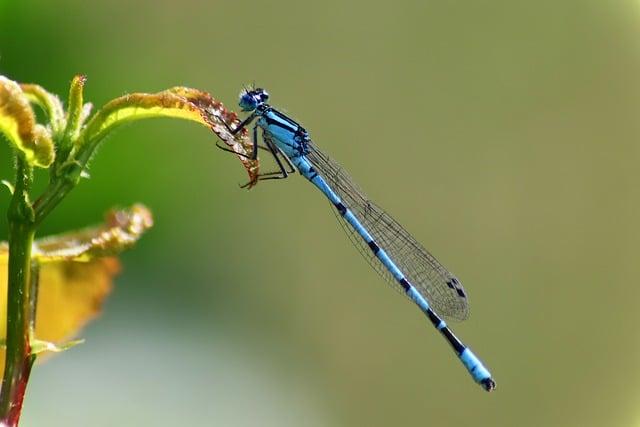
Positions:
(470, 361)
(475, 366)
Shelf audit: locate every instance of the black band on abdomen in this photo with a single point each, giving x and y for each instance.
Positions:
(374, 247)
(341, 208)
(458, 347)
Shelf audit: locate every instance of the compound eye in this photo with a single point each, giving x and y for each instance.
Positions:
(248, 102)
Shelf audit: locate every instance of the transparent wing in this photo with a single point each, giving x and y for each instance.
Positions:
(441, 288)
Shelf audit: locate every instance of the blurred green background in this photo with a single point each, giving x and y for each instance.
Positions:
(503, 135)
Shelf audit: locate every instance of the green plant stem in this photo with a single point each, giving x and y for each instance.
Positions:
(63, 182)
(20, 299)
(55, 192)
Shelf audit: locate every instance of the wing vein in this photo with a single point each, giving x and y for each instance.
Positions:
(441, 288)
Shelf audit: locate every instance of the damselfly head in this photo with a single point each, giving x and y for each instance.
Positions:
(251, 98)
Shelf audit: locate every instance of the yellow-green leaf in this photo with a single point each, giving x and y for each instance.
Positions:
(75, 108)
(70, 294)
(76, 272)
(18, 124)
(179, 102)
(49, 103)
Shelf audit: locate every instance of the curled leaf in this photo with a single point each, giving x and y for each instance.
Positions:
(121, 230)
(18, 124)
(178, 102)
(49, 103)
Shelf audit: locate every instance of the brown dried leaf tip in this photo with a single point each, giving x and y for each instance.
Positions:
(214, 113)
(121, 230)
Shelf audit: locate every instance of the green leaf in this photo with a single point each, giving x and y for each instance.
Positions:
(179, 102)
(18, 124)
(75, 108)
(48, 102)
